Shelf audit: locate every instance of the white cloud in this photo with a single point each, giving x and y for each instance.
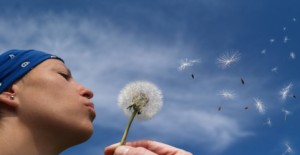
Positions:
(208, 130)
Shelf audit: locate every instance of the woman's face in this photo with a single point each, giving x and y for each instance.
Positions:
(51, 102)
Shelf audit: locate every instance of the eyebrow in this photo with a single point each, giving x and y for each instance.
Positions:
(59, 67)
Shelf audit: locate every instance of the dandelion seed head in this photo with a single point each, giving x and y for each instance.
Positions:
(187, 63)
(259, 106)
(142, 96)
(284, 92)
(227, 94)
(228, 58)
(292, 55)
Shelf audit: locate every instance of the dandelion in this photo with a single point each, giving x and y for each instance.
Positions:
(227, 94)
(228, 58)
(294, 19)
(284, 92)
(259, 106)
(292, 55)
(286, 112)
(272, 40)
(139, 99)
(288, 149)
(187, 63)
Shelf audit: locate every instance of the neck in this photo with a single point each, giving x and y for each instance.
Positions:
(17, 139)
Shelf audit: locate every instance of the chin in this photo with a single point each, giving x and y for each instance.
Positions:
(87, 132)
(75, 136)
(81, 134)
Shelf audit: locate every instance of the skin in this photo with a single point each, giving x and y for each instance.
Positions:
(144, 147)
(48, 109)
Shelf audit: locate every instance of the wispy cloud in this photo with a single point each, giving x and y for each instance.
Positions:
(199, 127)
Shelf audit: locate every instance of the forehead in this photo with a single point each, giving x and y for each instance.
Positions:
(51, 64)
(48, 65)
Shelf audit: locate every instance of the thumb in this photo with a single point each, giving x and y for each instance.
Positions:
(128, 150)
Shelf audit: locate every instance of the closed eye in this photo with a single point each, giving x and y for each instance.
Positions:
(66, 76)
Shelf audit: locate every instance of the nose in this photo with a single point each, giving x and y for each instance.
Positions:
(85, 92)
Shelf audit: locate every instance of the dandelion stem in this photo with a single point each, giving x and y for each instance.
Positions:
(123, 141)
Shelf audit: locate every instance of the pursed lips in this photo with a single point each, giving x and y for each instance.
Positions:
(91, 109)
(89, 105)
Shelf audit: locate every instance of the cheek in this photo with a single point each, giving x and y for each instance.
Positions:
(46, 101)
(57, 117)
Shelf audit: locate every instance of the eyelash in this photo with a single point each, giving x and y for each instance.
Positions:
(66, 76)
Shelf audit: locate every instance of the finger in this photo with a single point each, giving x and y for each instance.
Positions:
(128, 150)
(151, 145)
(157, 147)
(109, 150)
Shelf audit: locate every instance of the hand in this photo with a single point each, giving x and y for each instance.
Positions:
(144, 147)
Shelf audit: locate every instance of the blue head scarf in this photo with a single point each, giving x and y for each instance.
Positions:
(14, 64)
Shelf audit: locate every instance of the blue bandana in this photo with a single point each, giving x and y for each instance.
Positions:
(14, 64)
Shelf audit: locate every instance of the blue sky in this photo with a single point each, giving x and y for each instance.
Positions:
(110, 43)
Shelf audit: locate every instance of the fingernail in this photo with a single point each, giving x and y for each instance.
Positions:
(122, 150)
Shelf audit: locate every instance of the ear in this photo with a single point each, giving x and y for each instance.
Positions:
(8, 98)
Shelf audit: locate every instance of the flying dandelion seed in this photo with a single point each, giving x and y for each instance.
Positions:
(268, 122)
(228, 58)
(286, 112)
(285, 39)
(275, 69)
(264, 51)
(292, 55)
(288, 149)
(284, 28)
(272, 40)
(187, 63)
(259, 106)
(227, 94)
(285, 92)
(242, 81)
(294, 19)
(193, 76)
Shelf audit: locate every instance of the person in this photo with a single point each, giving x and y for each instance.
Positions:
(44, 111)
